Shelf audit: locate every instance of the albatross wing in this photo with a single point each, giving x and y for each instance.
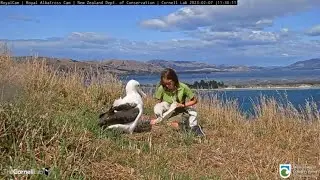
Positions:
(122, 114)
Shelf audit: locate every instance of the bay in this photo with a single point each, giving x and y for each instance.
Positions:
(245, 98)
(232, 76)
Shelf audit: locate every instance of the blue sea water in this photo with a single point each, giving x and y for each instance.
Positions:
(233, 76)
(246, 97)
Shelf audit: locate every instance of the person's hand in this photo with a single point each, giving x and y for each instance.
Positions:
(180, 105)
(153, 121)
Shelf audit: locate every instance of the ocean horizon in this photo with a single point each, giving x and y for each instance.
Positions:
(232, 77)
(246, 97)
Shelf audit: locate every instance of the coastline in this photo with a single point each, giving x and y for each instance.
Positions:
(302, 87)
(264, 88)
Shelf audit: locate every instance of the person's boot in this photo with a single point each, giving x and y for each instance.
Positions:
(197, 130)
(184, 123)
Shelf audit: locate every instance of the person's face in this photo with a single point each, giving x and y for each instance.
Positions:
(169, 84)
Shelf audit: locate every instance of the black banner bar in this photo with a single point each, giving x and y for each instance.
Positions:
(121, 2)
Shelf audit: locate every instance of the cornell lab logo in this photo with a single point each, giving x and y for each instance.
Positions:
(285, 170)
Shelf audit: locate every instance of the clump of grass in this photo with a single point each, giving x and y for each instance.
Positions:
(52, 122)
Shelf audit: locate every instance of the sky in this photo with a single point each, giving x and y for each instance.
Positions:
(253, 33)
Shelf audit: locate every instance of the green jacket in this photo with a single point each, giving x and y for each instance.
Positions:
(180, 95)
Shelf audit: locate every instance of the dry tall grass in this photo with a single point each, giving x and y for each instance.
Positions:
(51, 121)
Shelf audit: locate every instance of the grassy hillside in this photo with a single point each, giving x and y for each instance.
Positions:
(49, 119)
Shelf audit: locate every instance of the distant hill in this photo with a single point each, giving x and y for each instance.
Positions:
(184, 66)
(111, 66)
(117, 66)
(130, 66)
(194, 66)
(310, 64)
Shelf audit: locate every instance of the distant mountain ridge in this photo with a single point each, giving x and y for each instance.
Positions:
(307, 64)
(118, 66)
(184, 66)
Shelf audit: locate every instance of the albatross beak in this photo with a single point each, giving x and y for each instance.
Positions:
(142, 93)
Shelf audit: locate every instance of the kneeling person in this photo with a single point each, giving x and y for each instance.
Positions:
(171, 95)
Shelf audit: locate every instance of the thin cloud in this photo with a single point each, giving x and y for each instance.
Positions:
(25, 18)
(252, 47)
(314, 31)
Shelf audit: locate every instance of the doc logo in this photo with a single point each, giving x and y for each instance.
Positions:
(285, 170)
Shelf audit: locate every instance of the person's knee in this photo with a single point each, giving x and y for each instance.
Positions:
(193, 113)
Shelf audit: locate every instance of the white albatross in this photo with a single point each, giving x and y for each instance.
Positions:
(125, 112)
